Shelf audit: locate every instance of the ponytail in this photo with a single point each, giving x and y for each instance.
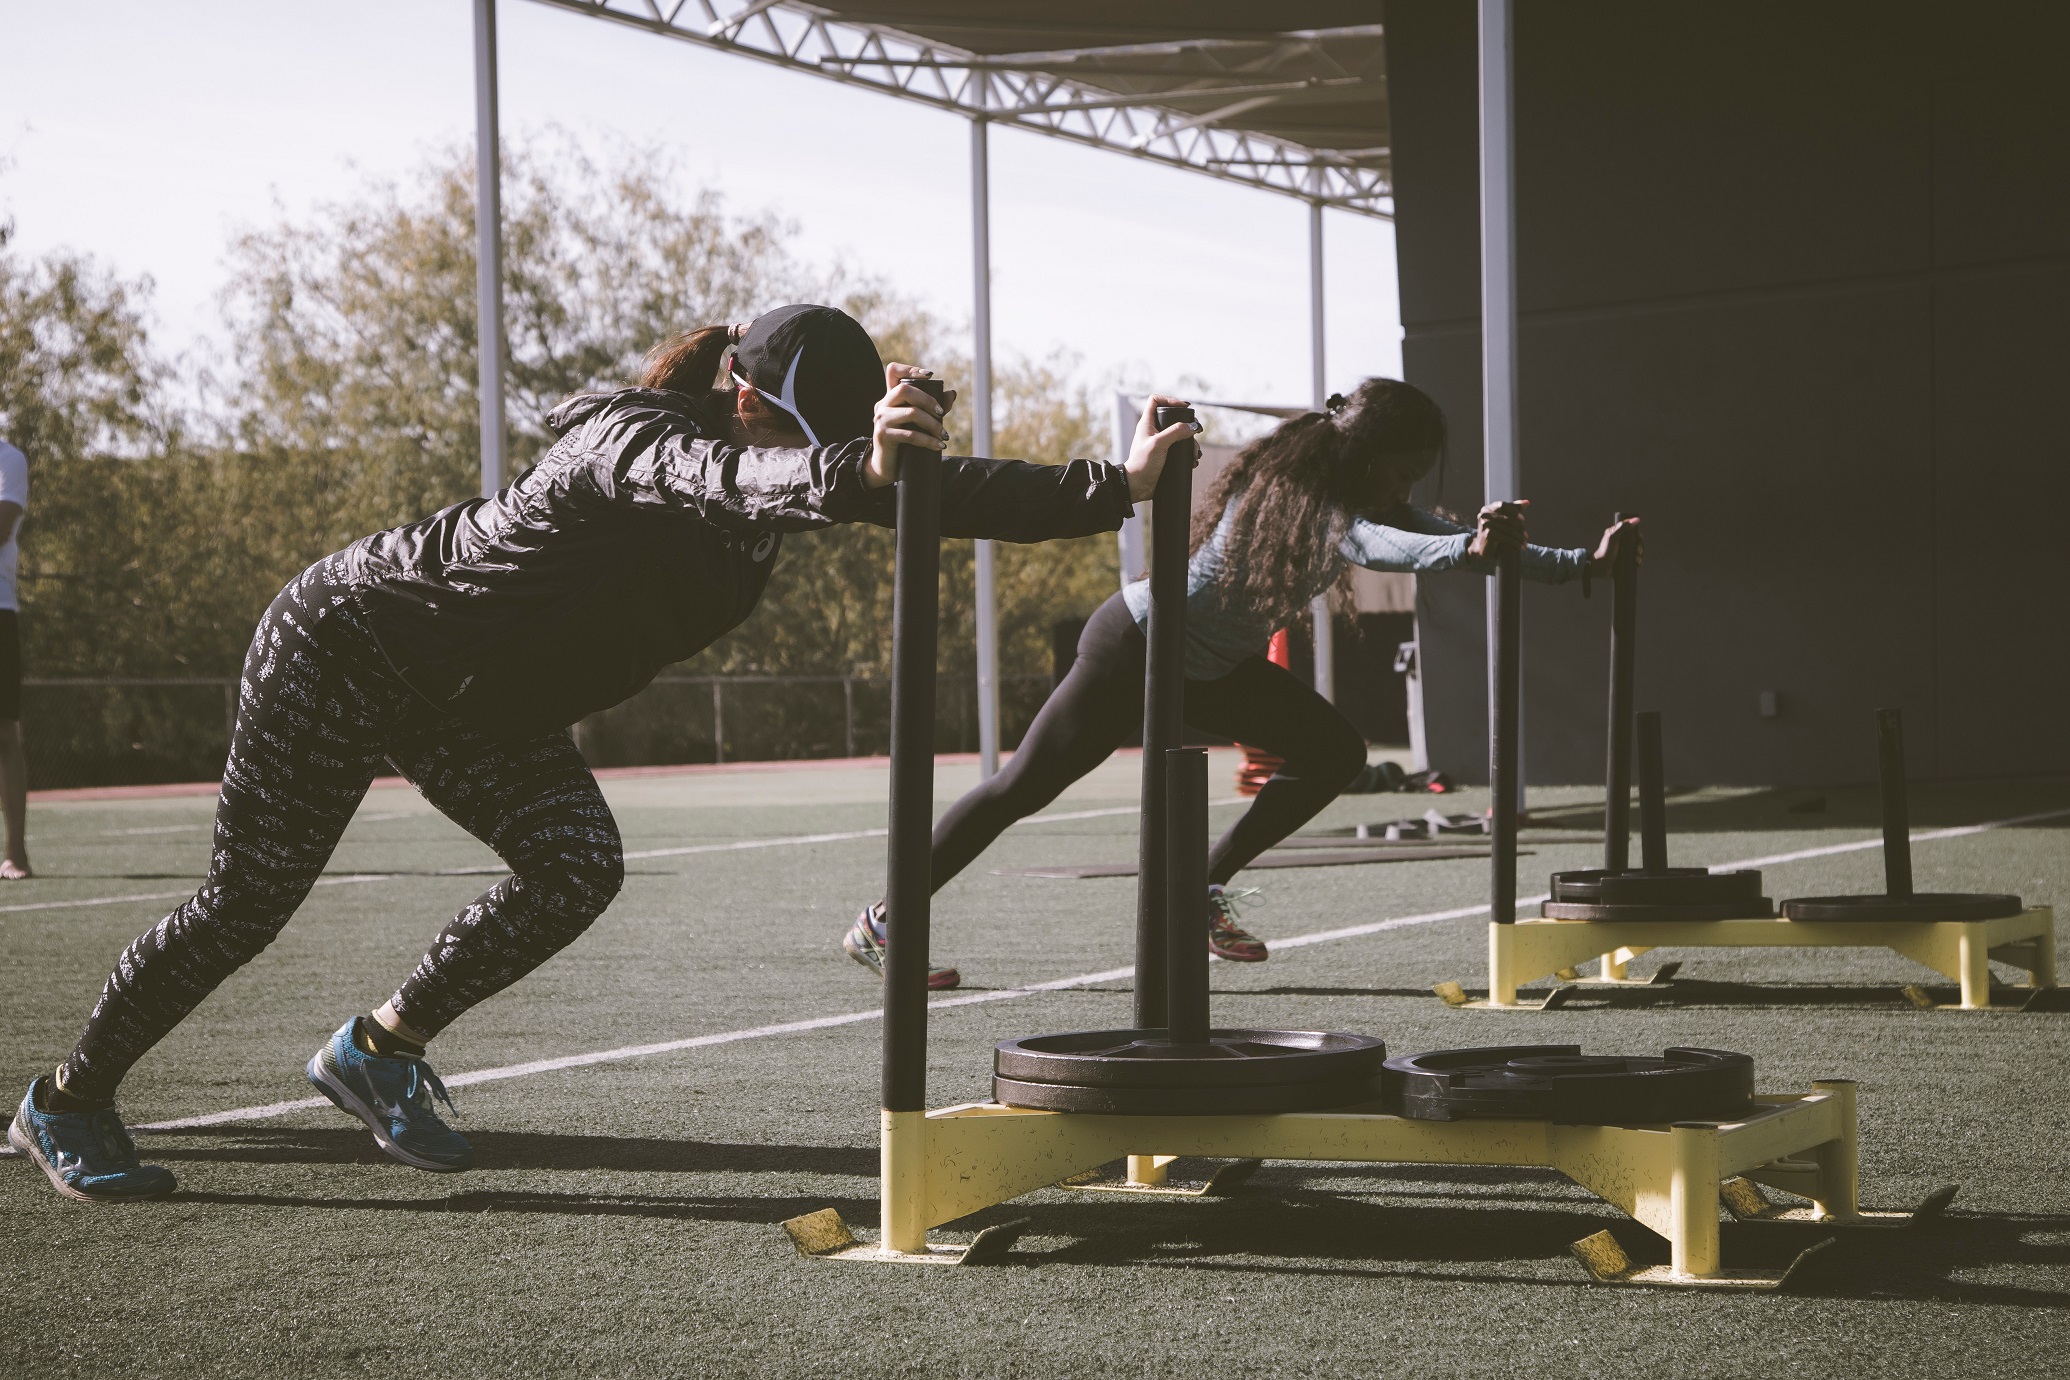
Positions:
(689, 362)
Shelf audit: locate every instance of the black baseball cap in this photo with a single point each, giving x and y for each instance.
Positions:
(816, 363)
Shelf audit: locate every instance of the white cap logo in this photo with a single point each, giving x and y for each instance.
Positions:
(788, 401)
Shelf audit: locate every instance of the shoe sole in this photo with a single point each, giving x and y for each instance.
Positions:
(26, 1144)
(1228, 957)
(948, 982)
(346, 1101)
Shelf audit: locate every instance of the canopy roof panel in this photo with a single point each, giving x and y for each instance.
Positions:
(1289, 97)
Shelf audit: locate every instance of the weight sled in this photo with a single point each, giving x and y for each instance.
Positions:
(1898, 901)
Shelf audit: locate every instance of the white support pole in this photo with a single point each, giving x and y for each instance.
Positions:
(981, 442)
(488, 247)
(1500, 473)
(1135, 552)
(1319, 612)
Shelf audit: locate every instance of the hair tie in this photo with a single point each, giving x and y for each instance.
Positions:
(1334, 404)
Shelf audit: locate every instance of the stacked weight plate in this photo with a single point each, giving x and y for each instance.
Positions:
(1145, 1073)
(1672, 893)
(1559, 1083)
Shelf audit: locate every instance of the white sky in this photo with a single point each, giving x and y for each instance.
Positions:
(146, 133)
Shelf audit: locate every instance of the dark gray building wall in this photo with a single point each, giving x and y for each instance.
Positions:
(1795, 286)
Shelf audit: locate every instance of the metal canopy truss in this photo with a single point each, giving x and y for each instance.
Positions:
(1301, 112)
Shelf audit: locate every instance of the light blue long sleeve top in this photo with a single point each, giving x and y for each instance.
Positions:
(1410, 540)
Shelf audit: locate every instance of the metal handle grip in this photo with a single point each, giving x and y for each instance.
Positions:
(909, 862)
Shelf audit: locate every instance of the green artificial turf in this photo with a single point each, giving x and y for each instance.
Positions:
(624, 1220)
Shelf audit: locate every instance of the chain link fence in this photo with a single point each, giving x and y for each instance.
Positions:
(139, 730)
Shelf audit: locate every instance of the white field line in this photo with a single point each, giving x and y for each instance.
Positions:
(210, 824)
(1057, 818)
(345, 879)
(1961, 831)
(609, 1056)
(357, 878)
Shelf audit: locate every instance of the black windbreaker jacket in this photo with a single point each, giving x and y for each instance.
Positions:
(638, 541)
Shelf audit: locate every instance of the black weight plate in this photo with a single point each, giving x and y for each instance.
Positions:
(1923, 905)
(1290, 1097)
(1757, 908)
(1149, 1059)
(1678, 886)
(1560, 1084)
(1704, 889)
(1586, 884)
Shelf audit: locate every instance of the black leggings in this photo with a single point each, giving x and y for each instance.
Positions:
(319, 710)
(1100, 703)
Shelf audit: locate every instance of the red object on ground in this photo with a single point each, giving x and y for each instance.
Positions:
(1258, 766)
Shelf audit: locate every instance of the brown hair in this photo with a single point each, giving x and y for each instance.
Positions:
(690, 362)
(1296, 489)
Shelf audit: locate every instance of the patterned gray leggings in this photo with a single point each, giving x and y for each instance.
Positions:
(319, 710)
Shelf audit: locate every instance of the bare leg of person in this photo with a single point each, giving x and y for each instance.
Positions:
(14, 802)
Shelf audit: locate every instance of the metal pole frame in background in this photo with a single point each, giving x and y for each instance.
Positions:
(987, 595)
(1324, 639)
(488, 247)
(1135, 552)
(1501, 480)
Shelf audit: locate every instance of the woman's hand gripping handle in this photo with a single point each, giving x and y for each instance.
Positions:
(905, 416)
(1146, 454)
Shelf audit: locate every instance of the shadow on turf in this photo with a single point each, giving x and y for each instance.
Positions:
(1418, 992)
(1127, 990)
(1359, 1221)
(486, 1202)
(512, 1150)
(1682, 992)
(1694, 993)
(1308, 1233)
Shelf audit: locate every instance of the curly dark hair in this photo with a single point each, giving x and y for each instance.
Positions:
(1297, 488)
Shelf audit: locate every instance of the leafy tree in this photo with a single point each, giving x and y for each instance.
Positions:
(355, 330)
(347, 403)
(76, 378)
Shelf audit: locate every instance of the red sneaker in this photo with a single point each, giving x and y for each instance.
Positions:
(1227, 939)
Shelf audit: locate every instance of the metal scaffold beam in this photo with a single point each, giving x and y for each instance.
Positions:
(1134, 98)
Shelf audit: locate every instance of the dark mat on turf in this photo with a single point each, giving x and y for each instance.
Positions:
(1297, 858)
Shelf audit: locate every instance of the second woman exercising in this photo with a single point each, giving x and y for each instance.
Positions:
(1277, 528)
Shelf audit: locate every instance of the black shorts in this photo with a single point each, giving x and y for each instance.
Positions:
(10, 666)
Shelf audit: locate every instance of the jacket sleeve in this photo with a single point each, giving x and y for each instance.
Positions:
(1417, 542)
(743, 487)
(1020, 501)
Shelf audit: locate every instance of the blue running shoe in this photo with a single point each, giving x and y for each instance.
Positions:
(86, 1155)
(393, 1097)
